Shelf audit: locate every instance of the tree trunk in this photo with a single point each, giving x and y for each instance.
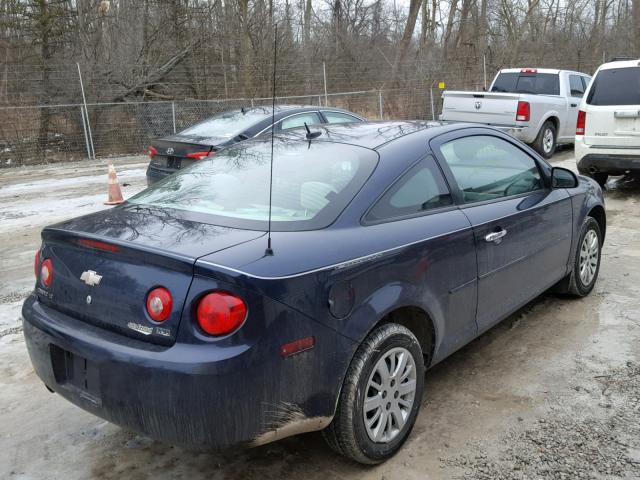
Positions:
(414, 9)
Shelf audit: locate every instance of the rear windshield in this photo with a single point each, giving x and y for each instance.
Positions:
(226, 125)
(312, 183)
(616, 86)
(533, 83)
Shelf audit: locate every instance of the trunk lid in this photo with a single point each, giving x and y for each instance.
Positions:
(480, 107)
(172, 151)
(133, 250)
(613, 127)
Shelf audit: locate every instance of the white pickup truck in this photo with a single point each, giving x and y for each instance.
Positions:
(536, 105)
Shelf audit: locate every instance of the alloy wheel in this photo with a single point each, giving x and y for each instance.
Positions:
(589, 251)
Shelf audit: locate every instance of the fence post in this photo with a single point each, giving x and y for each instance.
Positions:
(324, 74)
(319, 100)
(433, 110)
(380, 104)
(84, 128)
(173, 115)
(86, 111)
(484, 70)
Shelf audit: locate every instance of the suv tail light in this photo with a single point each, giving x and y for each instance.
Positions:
(159, 303)
(199, 155)
(581, 124)
(523, 112)
(46, 272)
(220, 313)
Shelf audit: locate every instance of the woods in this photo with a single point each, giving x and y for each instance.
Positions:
(172, 50)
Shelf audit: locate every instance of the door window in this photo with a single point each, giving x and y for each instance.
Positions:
(337, 117)
(489, 168)
(576, 85)
(420, 189)
(310, 118)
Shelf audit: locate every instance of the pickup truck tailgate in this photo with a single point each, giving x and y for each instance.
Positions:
(480, 107)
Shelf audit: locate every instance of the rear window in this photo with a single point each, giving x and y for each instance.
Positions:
(616, 86)
(532, 83)
(312, 183)
(226, 125)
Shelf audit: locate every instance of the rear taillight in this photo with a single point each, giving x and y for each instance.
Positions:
(581, 124)
(36, 264)
(524, 111)
(152, 152)
(159, 303)
(46, 272)
(98, 245)
(220, 313)
(199, 155)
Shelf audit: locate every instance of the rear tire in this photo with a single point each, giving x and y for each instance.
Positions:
(545, 142)
(380, 397)
(600, 178)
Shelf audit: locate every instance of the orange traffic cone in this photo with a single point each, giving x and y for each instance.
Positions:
(115, 194)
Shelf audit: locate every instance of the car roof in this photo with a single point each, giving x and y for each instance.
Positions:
(284, 109)
(620, 64)
(540, 70)
(369, 134)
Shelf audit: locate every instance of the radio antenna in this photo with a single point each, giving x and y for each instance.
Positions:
(269, 250)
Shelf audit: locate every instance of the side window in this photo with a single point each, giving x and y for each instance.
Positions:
(421, 188)
(310, 118)
(337, 117)
(489, 168)
(576, 85)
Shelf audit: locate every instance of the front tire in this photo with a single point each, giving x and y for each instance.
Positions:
(545, 142)
(380, 397)
(586, 265)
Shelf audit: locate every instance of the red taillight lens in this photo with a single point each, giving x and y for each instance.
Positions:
(159, 303)
(524, 112)
(581, 124)
(199, 155)
(220, 313)
(36, 264)
(107, 247)
(46, 272)
(152, 152)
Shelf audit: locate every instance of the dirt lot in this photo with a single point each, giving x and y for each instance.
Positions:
(551, 392)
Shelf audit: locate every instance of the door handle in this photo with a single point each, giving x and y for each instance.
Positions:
(574, 104)
(495, 237)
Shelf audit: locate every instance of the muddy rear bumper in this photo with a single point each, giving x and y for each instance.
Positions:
(186, 394)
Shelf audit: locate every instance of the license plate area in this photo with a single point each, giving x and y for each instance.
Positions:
(174, 162)
(77, 373)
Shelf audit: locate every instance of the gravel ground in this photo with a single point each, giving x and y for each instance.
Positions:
(552, 392)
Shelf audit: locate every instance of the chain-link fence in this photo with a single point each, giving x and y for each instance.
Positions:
(52, 133)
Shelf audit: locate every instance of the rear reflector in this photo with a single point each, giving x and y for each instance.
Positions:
(581, 124)
(524, 112)
(290, 349)
(46, 272)
(159, 303)
(107, 247)
(220, 313)
(36, 264)
(199, 155)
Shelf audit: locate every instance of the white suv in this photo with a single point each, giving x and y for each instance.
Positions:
(608, 127)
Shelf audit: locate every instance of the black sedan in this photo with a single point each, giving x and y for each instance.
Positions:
(390, 246)
(171, 153)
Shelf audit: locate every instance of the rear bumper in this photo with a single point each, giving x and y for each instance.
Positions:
(155, 174)
(190, 394)
(602, 160)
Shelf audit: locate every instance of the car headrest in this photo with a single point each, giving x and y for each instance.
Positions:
(313, 195)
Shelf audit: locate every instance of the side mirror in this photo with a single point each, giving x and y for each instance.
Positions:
(563, 178)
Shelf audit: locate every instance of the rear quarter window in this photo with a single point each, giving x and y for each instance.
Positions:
(615, 86)
(532, 83)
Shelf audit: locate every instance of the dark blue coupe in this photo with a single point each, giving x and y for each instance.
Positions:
(394, 244)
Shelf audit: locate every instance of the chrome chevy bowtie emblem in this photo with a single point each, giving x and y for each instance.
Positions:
(91, 278)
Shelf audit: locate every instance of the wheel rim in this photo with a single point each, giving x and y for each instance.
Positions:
(589, 257)
(390, 395)
(547, 140)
